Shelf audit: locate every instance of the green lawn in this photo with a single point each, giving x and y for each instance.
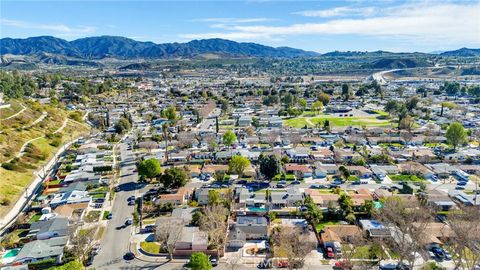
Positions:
(300, 122)
(405, 178)
(150, 247)
(99, 195)
(105, 214)
(34, 218)
(322, 224)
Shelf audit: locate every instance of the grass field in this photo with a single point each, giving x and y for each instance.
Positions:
(300, 122)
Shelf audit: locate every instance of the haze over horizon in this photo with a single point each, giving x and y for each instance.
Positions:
(397, 26)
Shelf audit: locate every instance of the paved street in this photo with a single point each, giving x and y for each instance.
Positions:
(116, 240)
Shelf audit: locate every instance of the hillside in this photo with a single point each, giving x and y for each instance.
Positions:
(121, 47)
(463, 52)
(30, 135)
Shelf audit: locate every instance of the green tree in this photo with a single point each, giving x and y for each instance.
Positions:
(456, 134)
(238, 164)
(214, 197)
(391, 107)
(317, 106)
(313, 213)
(345, 91)
(170, 113)
(346, 204)
(174, 178)
(368, 207)
(199, 261)
(229, 138)
(150, 168)
(324, 98)
(412, 103)
(72, 265)
(303, 103)
(122, 125)
(269, 165)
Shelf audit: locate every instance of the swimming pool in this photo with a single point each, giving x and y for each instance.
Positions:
(9, 256)
(11, 253)
(377, 204)
(257, 209)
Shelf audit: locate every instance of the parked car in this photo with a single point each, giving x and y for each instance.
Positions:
(131, 202)
(439, 253)
(296, 182)
(330, 253)
(131, 198)
(109, 216)
(214, 262)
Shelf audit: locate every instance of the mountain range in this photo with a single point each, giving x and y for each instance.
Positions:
(121, 47)
(91, 48)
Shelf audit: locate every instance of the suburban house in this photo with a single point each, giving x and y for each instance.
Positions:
(300, 171)
(70, 197)
(179, 198)
(247, 228)
(55, 227)
(40, 250)
(285, 198)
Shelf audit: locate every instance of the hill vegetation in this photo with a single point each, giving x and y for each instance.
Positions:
(30, 135)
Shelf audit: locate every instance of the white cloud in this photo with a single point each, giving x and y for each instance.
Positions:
(57, 29)
(421, 23)
(338, 12)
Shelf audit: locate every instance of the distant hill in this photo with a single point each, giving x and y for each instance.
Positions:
(392, 63)
(125, 48)
(463, 52)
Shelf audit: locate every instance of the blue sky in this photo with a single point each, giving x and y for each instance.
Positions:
(320, 26)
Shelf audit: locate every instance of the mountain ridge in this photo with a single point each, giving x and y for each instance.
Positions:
(121, 47)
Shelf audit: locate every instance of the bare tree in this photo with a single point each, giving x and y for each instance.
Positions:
(293, 244)
(214, 221)
(81, 241)
(186, 139)
(407, 226)
(465, 241)
(168, 233)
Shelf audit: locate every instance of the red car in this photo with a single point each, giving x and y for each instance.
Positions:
(330, 253)
(282, 264)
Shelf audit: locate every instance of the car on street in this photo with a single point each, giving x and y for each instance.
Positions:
(214, 262)
(129, 256)
(128, 221)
